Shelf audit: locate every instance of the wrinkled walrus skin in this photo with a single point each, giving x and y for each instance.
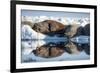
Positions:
(49, 27)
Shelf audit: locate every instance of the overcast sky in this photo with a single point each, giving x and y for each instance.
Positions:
(53, 13)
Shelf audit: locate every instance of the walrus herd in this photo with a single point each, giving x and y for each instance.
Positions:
(51, 28)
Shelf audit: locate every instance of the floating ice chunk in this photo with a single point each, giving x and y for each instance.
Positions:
(81, 39)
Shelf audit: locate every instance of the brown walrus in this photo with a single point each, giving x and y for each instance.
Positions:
(71, 30)
(49, 26)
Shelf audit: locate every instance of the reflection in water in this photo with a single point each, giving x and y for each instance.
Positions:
(81, 39)
(72, 41)
(49, 50)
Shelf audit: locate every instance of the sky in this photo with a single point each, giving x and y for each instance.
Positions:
(54, 13)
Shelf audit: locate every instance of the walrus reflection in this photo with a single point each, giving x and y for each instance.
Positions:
(73, 48)
(55, 50)
(48, 51)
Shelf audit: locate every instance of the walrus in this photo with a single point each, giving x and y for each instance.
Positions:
(49, 27)
(71, 30)
(48, 51)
